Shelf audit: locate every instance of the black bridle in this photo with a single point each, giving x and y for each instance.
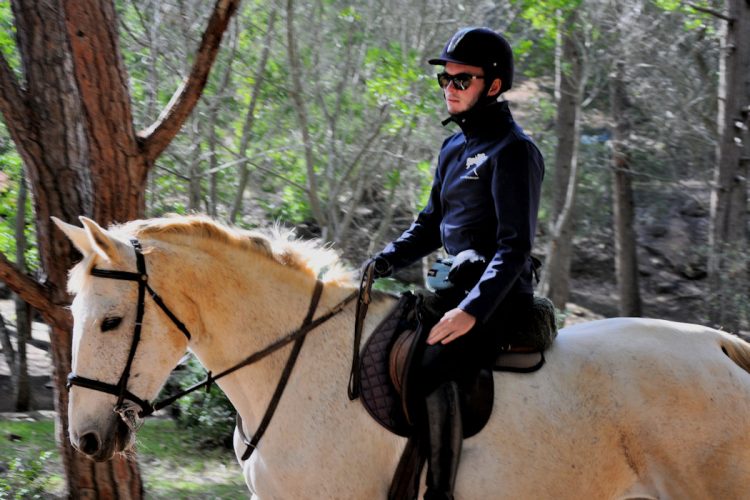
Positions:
(121, 388)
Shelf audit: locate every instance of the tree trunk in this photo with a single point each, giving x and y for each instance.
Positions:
(51, 139)
(555, 282)
(72, 126)
(300, 107)
(728, 237)
(23, 311)
(213, 164)
(194, 171)
(626, 261)
(23, 394)
(9, 351)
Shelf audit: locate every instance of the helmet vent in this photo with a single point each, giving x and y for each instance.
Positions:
(457, 39)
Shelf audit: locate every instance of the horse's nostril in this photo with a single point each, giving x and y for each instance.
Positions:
(89, 443)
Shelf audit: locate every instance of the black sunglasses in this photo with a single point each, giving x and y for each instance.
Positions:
(460, 81)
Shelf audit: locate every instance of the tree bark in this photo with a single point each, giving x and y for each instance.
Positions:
(24, 399)
(23, 311)
(728, 236)
(555, 282)
(72, 126)
(194, 173)
(9, 351)
(626, 261)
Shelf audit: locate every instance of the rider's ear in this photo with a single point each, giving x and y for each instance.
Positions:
(101, 241)
(76, 235)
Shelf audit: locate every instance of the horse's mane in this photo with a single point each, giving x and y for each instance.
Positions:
(281, 245)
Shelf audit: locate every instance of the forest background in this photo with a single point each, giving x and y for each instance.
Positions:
(324, 115)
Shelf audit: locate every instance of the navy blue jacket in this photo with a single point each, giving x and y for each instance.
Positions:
(485, 196)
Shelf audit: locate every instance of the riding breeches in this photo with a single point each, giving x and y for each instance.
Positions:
(465, 356)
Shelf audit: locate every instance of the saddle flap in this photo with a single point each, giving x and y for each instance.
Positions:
(399, 357)
(378, 393)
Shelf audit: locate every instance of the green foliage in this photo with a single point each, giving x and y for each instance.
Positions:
(7, 37)
(425, 170)
(208, 413)
(395, 79)
(668, 5)
(693, 19)
(11, 174)
(594, 186)
(25, 478)
(166, 453)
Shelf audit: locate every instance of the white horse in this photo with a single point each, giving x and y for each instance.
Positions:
(624, 408)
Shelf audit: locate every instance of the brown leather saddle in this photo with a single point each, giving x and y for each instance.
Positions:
(386, 371)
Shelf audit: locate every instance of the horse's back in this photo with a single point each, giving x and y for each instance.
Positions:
(623, 407)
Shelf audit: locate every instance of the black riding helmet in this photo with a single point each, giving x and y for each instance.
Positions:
(480, 47)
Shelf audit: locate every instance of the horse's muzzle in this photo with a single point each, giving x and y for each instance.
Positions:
(100, 447)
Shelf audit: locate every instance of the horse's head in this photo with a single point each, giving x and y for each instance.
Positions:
(113, 375)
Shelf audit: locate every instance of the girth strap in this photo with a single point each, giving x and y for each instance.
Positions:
(252, 444)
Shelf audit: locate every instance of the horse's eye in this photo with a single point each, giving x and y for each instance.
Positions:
(111, 323)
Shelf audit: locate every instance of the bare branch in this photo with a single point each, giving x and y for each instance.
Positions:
(250, 116)
(36, 295)
(299, 106)
(709, 11)
(376, 130)
(157, 137)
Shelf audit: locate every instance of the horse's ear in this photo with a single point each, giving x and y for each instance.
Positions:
(101, 241)
(76, 235)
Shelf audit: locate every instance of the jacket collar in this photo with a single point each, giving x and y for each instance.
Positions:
(491, 120)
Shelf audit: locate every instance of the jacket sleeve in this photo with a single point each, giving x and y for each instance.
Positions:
(516, 189)
(423, 237)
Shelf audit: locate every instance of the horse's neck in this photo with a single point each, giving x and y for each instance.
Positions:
(239, 303)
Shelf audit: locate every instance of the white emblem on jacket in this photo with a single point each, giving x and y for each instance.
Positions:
(473, 164)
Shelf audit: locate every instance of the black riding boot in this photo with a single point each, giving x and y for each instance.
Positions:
(445, 437)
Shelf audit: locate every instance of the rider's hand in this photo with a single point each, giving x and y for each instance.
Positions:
(452, 325)
(382, 268)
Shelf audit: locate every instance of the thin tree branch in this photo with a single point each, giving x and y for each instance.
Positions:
(35, 294)
(267, 170)
(709, 11)
(157, 137)
(377, 129)
(250, 116)
(299, 105)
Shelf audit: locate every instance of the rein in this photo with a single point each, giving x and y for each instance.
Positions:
(363, 303)
(120, 389)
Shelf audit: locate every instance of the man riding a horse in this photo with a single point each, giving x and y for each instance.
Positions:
(483, 210)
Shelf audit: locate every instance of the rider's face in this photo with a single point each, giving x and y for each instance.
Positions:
(458, 101)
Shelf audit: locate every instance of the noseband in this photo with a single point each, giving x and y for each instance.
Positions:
(121, 388)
